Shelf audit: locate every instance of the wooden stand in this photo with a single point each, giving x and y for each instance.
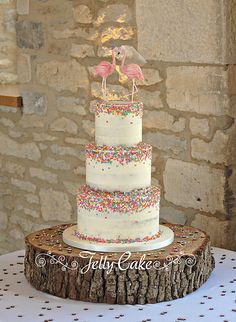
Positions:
(144, 277)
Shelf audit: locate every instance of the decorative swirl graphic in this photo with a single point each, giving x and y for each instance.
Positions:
(40, 261)
(190, 260)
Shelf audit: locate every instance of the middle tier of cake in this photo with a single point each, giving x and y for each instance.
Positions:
(116, 217)
(118, 168)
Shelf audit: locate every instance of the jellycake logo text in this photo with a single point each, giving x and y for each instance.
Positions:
(122, 262)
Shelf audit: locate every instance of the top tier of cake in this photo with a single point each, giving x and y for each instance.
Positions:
(118, 123)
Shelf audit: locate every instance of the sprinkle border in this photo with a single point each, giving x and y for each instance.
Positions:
(122, 202)
(122, 154)
(121, 109)
(116, 241)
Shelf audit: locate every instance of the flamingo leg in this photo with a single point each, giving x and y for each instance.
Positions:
(102, 86)
(105, 88)
(134, 90)
(133, 87)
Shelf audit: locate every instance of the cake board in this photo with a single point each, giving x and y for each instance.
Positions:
(165, 239)
(174, 271)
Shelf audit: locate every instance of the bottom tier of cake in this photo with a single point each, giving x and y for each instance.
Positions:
(116, 217)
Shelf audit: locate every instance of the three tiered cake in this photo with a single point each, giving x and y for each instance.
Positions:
(118, 208)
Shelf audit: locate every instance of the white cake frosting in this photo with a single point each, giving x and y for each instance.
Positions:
(118, 168)
(118, 216)
(118, 203)
(118, 123)
(118, 130)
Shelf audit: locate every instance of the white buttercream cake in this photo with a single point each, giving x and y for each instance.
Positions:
(118, 203)
(118, 217)
(118, 168)
(118, 123)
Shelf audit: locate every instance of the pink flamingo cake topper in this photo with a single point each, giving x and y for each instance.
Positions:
(132, 71)
(105, 69)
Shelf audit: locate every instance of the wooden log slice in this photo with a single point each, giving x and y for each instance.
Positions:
(142, 277)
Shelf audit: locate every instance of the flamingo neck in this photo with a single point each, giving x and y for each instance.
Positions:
(113, 58)
(123, 59)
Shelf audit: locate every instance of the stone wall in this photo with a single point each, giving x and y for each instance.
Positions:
(188, 93)
(8, 74)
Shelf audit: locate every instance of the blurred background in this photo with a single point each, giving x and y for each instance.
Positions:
(48, 50)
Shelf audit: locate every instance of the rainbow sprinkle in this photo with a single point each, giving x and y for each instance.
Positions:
(122, 202)
(121, 154)
(116, 241)
(121, 109)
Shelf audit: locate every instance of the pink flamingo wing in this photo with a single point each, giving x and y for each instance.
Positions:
(133, 71)
(104, 69)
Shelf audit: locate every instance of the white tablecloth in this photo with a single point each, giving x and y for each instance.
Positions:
(214, 301)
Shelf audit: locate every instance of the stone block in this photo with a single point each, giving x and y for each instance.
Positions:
(34, 103)
(3, 179)
(29, 34)
(22, 7)
(5, 63)
(82, 14)
(66, 150)
(7, 122)
(221, 232)
(31, 212)
(82, 51)
(76, 141)
(114, 33)
(70, 104)
(7, 109)
(80, 170)
(57, 164)
(165, 142)
(7, 78)
(182, 31)
(80, 32)
(42, 146)
(64, 124)
(10, 147)
(9, 20)
(194, 186)
(31, 121)
(26, 224)
(88, 127)
(3, 220)
(151, 77)
(17, 234)
(214, 151)
(202, 90)
(104, 51)
(63, 75)
(43, 175)
(23, 68)
(150, 99)
(173, 216)
(55, 205)
(199, 127)
(32, 199)
(24, 185)
(42, 137)
(119, 13)
(72, 187)
(163, 121)
(15, 168)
